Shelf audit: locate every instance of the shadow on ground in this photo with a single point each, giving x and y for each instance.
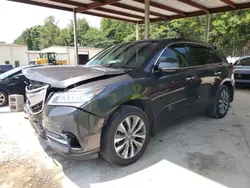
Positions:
(202, 145)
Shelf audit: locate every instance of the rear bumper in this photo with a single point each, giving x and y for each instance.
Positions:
(72, 132)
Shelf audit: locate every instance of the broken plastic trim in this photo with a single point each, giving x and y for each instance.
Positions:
(36, 96)
(63, 143)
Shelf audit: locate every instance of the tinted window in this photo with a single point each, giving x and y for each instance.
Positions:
(198, 55)
(214, 56)
(244, 62)
(131, 55)
(174, 55)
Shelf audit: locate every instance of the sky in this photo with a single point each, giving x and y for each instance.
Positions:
(16, 17)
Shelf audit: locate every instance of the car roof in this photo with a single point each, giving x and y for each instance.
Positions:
(243, 57)
(171, 40)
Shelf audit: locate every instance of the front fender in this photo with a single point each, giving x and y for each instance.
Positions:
(113, 97)
(228, 80)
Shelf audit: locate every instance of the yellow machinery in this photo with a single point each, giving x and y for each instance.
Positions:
(49, 58)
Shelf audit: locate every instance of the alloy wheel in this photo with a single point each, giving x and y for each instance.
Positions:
(130, 137)
(2, 99)
(224, 101)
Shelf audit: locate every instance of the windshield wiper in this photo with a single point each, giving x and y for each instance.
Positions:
(109, 65)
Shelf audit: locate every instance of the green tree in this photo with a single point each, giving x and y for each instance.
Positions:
(66, 37)
(83, 28)
(30, 37)
(95, 38)
(230, 31)
(116, 31)
(49, 32)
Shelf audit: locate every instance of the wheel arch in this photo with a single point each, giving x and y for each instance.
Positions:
(228, 83)
(146, 106)
(5, 91)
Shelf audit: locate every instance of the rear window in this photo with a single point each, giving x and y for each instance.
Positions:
(198, 55)
(243, 62)
(214, 56)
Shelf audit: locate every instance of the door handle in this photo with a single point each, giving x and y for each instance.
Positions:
(217, 73)
(190, 78)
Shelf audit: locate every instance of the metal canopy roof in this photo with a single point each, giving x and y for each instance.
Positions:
(133, 10)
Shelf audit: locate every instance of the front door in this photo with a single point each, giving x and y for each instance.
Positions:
(171, 97)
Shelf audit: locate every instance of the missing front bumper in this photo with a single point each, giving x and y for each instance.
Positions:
(62, 144)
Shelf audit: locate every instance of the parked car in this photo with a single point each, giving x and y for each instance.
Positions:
(112, 105)
(242, 70)
(5, 68)
(12, 82)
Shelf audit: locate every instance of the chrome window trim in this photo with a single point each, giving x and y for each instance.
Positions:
(184, 42)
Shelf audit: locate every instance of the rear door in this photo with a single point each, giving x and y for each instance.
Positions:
(204, 71)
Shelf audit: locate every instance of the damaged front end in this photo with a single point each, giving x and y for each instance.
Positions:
(36, 95)
(56, 107)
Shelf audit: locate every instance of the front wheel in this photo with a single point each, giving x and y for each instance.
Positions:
(125, 136)
(222, 102)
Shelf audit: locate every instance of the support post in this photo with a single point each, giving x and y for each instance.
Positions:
(75, 37)
(137, 31)
(207, 27)
(147, 18)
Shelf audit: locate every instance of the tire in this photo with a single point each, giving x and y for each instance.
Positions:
(215, 111)
(3, 98)
(110, 150)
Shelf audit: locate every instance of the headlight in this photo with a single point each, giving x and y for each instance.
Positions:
(74, 98)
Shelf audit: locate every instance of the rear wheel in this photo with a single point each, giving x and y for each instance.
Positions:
(3, 98)
(222, 102)
(125, 136)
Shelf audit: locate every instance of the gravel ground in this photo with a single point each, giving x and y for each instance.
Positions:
(211, 153)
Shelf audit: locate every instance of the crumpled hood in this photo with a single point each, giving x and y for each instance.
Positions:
(65, 76)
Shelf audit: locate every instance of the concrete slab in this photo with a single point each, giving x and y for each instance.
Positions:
(195, 152)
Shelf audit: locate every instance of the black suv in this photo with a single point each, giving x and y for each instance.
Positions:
(112, 105)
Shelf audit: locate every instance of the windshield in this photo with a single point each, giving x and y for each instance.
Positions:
(10, 72)
(129, 55)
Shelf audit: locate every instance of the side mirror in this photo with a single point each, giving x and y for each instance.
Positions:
(18, 76)
(168, 66)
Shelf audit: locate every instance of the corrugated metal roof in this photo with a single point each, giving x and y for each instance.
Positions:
(110, 14)
(177, 5)
(133, 10)
(55, 3)
(211, 3)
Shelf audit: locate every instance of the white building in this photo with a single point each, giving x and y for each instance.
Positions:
(66, 53)
(13, 54)
(18, 55)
